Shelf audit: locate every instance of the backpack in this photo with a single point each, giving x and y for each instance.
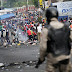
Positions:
(59, 43)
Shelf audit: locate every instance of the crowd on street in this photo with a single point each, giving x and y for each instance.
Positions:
(25, 27)
(21, 28)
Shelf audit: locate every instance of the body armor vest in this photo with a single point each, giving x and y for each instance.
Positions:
(59, 43)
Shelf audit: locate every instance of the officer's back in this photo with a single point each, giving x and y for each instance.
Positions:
(55, 43)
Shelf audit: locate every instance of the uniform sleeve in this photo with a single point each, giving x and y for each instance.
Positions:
(43, 44)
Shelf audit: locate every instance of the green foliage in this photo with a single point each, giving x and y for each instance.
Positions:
(39, 19)
(18, 3)
(5, 4)
(35, 2)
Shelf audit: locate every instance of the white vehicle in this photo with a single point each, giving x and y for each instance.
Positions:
(64, 8)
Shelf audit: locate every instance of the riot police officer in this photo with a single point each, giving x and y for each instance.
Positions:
(55, 43)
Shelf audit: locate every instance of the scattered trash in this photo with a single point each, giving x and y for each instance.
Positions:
(19, 41)
(34, 44)
(23, 62)
(12, 64)
(7, 69)
(4, 44)
(16, 63)
(19, 66)
(10, 45)
(2, 67)
(13, 44)
(27, 66)
(6, 64)
(30, 61)
(18, 44)
(1, 64)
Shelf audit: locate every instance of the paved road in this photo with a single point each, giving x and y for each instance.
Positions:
(24, 55)
(19, 54)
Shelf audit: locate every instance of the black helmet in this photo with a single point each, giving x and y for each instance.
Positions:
(51, 12)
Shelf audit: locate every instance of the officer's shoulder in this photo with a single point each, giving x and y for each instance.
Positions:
(44, 30)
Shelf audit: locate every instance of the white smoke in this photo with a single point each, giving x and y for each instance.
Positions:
(22, 36)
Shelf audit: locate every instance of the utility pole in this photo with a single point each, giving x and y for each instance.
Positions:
(49, 3)
(27, 6)
(44, 4)
(27, 2)
(38, 4)
(1, 4)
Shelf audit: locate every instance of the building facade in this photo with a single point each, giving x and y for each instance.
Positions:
(59, 0)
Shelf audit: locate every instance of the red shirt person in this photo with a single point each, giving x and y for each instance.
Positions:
(29, 34)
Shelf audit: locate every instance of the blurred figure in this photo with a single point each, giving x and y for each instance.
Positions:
(61, 20)
(13, 35)
(0, 33)
(16, 36)
(55, 44)
(70, 27)
(7, 35)
(29, 34)
(39, 28)
(34, 36)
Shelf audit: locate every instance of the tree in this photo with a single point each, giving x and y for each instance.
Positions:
(19, 3)
(39, 19)
(5, 4)
(10, 3)
(35, 2)
(14, 3)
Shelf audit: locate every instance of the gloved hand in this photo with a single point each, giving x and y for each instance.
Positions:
(36, 66)
(38, 63)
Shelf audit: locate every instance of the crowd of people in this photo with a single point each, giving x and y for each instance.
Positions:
(53, 39)
(28, 26)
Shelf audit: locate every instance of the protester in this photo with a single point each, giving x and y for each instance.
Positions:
(7, 35)
(29, 34)
(39, 28)
(70, 26)
(34, 36)
(16, 36)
